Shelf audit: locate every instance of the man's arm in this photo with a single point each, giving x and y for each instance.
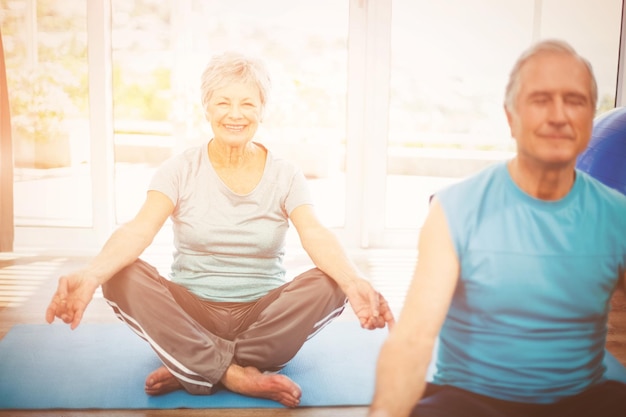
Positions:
(406, 354)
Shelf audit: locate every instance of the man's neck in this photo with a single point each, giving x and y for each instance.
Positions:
(542, 182)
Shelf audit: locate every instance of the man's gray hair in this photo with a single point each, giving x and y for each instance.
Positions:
(548, 45)
(231, 67)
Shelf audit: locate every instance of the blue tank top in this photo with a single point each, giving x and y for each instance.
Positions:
(528, 318)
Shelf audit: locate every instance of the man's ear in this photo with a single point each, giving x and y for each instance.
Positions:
(510, 118)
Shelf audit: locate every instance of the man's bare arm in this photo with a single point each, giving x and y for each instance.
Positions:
(406, 354)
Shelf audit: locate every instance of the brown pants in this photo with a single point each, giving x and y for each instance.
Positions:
(197, 339)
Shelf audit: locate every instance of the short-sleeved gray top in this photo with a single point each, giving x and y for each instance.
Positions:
(229, 247)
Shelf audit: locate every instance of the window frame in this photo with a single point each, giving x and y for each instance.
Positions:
(369, 61)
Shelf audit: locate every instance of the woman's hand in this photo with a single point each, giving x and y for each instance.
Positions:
(71, 298)
(369, 305)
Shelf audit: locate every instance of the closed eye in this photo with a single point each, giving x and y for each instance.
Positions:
(576, 99)
(539, 98)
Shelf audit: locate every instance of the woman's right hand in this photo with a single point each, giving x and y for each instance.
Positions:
(71, 298)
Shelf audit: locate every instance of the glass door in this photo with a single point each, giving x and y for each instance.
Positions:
(46, 62)
(159, 52)
(381, 103)
(449, 66)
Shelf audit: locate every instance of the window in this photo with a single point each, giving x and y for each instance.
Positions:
(380, 102)
(46, 59)
(449, 66)
(160, 50)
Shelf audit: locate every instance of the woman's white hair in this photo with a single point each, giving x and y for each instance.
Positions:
(229, 67)
(545, 46)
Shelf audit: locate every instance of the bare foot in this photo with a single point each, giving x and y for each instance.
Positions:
(250, 381)
(161, 381)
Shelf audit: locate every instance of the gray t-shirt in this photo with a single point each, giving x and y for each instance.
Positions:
(229, 247)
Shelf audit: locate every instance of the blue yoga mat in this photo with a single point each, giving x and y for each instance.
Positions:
(104, 366)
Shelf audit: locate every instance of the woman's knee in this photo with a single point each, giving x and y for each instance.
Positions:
(320, 285)
(127, 280)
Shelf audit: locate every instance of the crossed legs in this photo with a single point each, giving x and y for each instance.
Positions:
(204, 345)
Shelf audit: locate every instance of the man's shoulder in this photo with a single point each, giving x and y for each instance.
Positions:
(601, 190)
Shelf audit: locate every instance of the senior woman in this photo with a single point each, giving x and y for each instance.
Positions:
(226, 316)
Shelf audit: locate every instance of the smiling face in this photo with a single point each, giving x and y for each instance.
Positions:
(552, 116)
(234, 112)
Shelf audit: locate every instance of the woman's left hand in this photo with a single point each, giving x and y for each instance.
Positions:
(369, 305)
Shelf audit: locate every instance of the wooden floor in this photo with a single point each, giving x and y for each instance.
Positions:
(27, 281)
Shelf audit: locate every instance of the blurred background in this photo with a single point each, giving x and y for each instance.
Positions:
(380, 102)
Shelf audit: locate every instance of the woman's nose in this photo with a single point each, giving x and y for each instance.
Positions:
(235, 111)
